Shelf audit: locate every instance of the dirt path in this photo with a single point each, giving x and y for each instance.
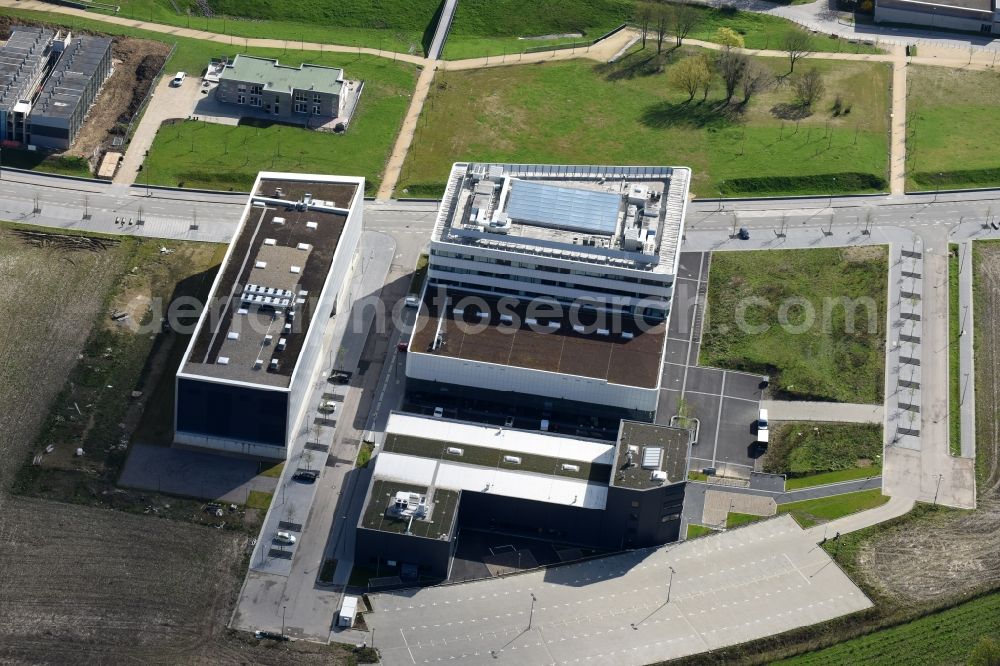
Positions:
(405, 137)
(897, 133)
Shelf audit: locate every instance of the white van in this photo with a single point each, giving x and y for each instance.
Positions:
(762, 426)
(178, 79)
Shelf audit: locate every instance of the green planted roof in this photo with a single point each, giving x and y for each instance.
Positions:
(275, 76)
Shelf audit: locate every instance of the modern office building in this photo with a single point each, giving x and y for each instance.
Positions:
(552, 281)
(433, 477)
(69, 92)
(288, 93)
(967, 15)
(25, 59)
(243, 381)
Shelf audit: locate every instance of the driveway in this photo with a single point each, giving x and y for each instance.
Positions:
(166, 103)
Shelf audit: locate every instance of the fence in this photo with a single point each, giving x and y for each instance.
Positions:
(145, 100)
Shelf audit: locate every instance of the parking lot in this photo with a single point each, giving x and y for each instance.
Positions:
(634, 608)
(725, 402)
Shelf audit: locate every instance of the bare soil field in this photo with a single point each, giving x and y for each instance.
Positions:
(49, 299)
(89, 584)
(82, 585)
(954, 552)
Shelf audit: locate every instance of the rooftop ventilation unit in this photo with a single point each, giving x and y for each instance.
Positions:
(278, 220)
(312, 225)
(566, 467)
(274, 365)
(454, 451)
(282, 342)
(512, 460)
(652, 456)
(233, 335)
(627, 335)
(260, 264)
(407, 505)
(295, 269)
(303, 246)
(270, 241)
(658, 476)
(222, 360)
(267, 339)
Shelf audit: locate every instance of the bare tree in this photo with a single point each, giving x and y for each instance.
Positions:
(731, 66)
(809, 88)
(683, 19)
(756, 78)
(706, 85)
(689, 75)
(661, 23)
(797, 44)
(643, 16)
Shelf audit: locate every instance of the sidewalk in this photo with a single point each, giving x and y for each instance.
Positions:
(967, 374)
(787, 410)
(897, 134)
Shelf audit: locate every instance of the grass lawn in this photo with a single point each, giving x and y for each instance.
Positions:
(813, 454)
(560, 113)
(258, 499)
(952, 114)
(954, 370)
(198, 154)
(735, 519)
(396, 25)
(761, 31)
(815, 511)
(495, 27)
(830, 356)
(697, 476)
(945, 637)
(419, 275)
(695, 531)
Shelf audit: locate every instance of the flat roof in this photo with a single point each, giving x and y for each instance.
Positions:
(619, 216)
(22, 58)
(458, 455)
(652, 448)
(275, 76)
(279, 261)
(63, 90)
(562, 207)
(437, 525)
(628, 351)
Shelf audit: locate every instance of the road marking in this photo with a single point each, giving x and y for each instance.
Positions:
(410, 652)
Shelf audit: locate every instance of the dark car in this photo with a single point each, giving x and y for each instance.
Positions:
(339, 377)
(306, 475)
(744, 233)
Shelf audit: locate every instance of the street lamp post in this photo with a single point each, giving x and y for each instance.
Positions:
(670, 583)
(282, 620)
(531, 613)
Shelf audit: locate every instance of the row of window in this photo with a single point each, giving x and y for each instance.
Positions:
(549, 269)
(651, 314)
(531, 280)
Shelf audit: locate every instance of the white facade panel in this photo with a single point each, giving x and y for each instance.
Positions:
(495, 377)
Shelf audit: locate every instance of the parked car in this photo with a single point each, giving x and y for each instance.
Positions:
(412, 301)
(306, 475)
(178, 79)
(762, 431)
(285, 538)
(438, 412)
(339, 377)
(401, 347)
(744, 233)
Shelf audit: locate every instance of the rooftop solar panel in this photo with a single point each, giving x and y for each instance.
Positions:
(567, 208)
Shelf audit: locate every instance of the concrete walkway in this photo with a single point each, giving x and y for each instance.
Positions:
(895, 507)
(441, 32)
(897, 132)
(966, 342)
(787, 410)
(405, 137)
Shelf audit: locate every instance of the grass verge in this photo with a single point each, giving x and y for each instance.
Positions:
(258, 499)
(419, 275)
(392, 25)
(364, 454)
(558, 113)
(954, 355)
(274, 471)
(64, 165)
(815, 511)
(826, 478)
(949, 636)
(695, 531)
(813, 320)
(735, 519)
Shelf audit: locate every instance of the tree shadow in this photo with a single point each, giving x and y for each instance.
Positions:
(641, 63)
(791, 111)
(694, 114)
